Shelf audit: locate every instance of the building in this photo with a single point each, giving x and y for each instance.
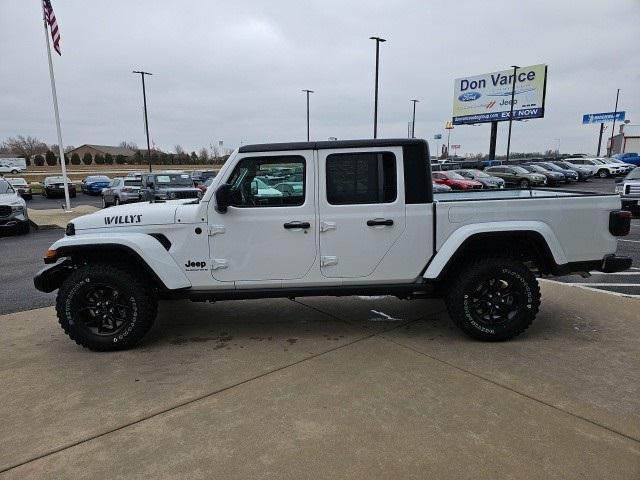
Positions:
(101, 150)
(628, 140)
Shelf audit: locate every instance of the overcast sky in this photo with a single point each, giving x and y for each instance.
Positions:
(234, 70)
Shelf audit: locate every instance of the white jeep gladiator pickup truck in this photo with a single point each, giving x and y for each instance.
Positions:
(328, 218)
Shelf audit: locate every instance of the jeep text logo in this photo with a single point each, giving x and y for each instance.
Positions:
(191, 265)
(120, 219)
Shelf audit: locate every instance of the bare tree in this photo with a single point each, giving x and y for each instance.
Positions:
(128, 144)
(25, 146)
(215, 151)
(179, 150)
(203, 155)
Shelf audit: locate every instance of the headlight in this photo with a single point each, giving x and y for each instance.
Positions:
(17, 208)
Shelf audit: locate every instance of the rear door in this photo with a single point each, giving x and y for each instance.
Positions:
(361, 209)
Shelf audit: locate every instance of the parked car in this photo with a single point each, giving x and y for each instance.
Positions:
(121, 190)
(485, 179)
(517, 176)
(366, 224)
(626, 167)
(440, 187)
(600, 169)
(167, 186)
(93, 184)
(629, 190)
(11, 168)
(629, 157)
(21, 186)
(54, 187)
(201, 176)
(455, 180)
(569, 174)
(13, 209)
(583, 174)
(202, 186)
(553, 178)
(290, 189)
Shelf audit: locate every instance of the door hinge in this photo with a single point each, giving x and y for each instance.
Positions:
(215, 229)
(326, 226)
(219, 264)
(326, 261)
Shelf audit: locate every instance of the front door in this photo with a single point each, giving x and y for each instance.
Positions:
(267, 232)
(361, 207)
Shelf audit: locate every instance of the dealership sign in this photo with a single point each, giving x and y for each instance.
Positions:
(487, 98)
(603, 117)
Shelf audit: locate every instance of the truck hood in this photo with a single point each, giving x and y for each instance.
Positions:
(130, 215)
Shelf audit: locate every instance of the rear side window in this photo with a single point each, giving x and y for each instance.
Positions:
(360, 178)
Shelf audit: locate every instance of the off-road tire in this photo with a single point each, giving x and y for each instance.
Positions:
(524, 183)
(462, 299)
(140, 301)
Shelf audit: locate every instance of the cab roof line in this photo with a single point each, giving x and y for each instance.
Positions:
(325, 145)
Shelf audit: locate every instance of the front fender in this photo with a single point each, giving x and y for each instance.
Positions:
(458, 237)
(148, 249)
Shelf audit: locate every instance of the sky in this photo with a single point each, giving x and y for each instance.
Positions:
(234, 71)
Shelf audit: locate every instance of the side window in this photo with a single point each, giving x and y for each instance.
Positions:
(268, 182)
(357, 178)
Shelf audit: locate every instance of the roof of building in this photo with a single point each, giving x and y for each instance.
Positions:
(330, 144)
(108, 149)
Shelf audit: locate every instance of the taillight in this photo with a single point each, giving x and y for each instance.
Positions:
(619, 223)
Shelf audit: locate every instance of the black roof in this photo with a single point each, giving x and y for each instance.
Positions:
(330, 144)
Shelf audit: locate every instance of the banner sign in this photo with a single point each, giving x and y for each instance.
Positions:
(603, 117)
(487, 98)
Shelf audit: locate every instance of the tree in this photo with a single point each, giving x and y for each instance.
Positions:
(194, 158)
(98, 159)
(38, 160)
(128, 144)
(25, 146)
(137, 157)
(50, 158)
(203, 155)
(179, 150)
(87, 158)
(108, 159)
(75, 159)
(121, 159)
(66, 160)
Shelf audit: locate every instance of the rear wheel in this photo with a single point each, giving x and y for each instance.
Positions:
(494, 299)
(105, 307)
(105, 204)
(602, 173)
(524, 183)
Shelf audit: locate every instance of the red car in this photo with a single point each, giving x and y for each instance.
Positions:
(455, 181)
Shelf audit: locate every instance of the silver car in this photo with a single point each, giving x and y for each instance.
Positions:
(13, 209)
(121, 190)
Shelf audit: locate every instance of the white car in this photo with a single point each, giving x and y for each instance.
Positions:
(11, 168)
(626, 167)
(13, 209)
(596, 166)
(366, 222)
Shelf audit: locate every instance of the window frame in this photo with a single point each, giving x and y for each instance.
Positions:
(275, 159)
(381, 177)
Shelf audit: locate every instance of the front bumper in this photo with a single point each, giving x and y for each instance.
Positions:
(50, 277)
(13, 220)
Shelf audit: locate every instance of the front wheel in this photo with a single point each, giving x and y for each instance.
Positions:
(524, 184)
(603, 173)
(494, 299)
(105, 307)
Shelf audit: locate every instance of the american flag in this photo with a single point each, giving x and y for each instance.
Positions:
(50, 18)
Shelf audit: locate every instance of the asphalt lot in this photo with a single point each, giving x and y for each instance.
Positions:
(39, 202)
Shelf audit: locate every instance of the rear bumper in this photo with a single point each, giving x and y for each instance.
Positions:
(609, 264)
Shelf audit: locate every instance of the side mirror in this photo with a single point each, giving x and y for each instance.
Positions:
(223, 197)
(254, 188)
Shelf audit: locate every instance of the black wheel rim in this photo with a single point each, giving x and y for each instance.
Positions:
(103, 310)
(496, 301)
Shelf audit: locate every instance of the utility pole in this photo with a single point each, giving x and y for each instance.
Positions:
(613, 128)
(375, 108)
(492, 140)
(513, 96)
(146, 121)
(600, 139)
(308, 92)
(413, 123)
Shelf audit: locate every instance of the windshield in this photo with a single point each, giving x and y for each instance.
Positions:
(98, 178)
(550, 166)
(17, 181)
(133, 182)
(5, 187)
(177, 179)
(479, 174)
(529, 168)
(50, 180)
(519, 170)
(633, 174)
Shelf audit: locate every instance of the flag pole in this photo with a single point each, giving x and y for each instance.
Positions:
(57, 115)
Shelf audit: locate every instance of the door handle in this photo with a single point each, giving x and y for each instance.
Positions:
(303, 225)
(386, 222)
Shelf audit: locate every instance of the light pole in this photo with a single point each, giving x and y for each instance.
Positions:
(308, 92)
(146, 122)
(613, 127)
(413, 123)
(375, 107)
(513, 96)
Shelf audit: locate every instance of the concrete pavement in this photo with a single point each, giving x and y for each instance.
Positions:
(58, 217)
(327, 388)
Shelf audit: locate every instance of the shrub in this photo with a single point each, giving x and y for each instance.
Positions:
(87, 158)
(38, 160)
(108, 159)
(137, 157)
(50, 158)
(99, 159)
(121, 159)
(75, 159)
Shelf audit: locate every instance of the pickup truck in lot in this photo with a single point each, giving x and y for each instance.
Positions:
(364, 222)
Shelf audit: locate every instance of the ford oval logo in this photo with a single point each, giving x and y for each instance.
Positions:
(469, 96)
